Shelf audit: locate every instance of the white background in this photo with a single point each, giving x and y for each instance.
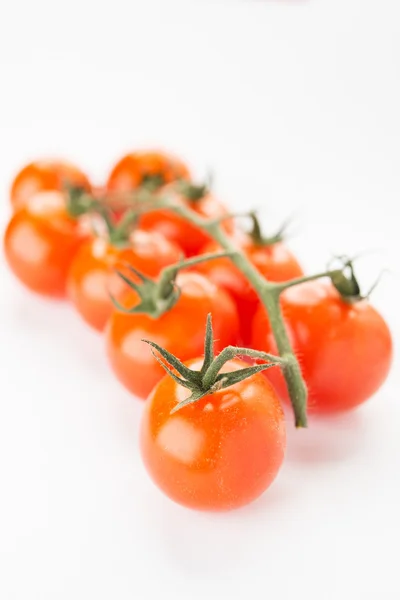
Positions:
(296, 107)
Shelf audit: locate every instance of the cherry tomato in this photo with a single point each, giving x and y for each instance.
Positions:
(344, 350)
(92, 278)
(41, 241)
(135, 168)
(45, 175)
(220, 452)
(274, 261)
(180, 331)
(189, 237)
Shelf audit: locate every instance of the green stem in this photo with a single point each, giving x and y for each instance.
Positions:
(291, 370)
(268, 292)
(168, 274)
(121, 231)
(270, 299)
(281, 287)
(229, 353)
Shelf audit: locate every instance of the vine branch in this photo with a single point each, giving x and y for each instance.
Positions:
(267, 291)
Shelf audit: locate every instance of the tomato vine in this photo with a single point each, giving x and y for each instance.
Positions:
(268, 292)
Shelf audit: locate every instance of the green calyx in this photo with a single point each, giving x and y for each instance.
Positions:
(152, 183)
(347, 284)
(256, 233)
(119, 234)
(342, 278)
(160, 295)
(209, 379)
(156, 297)
(345, 281)
(79, 203)
(192, 192)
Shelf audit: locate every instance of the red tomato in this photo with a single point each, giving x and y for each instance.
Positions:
(274, 261)
(220, 452)
(344, 350)
(92, 278)
(189, 237)
(45, 176)
(41, 241)
(180, 331)
(135, 168)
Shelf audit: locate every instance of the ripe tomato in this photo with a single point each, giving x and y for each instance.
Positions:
(189, 237)
(220, 452)
(40, 242)
(92, 278)
(136, 168)
(180, 331)
(45, 175)
(344, 349)
(274, 261)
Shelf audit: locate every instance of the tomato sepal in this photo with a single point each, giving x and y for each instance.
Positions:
(345, 281)
(257, 235)
(159, 296)
(209, 379)
(191, 191)
(79, 201)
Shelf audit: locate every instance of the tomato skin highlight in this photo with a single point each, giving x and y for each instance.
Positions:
(344, 350)
(274, 261)
(92, 275)
(219, 453)
(180, 331)
(132, 169)
(40, 242)
(45, 176)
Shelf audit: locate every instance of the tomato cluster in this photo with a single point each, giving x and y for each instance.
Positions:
(213, 430)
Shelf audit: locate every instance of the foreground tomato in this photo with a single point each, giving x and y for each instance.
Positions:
(41, 241)
(180, 330)
(220, 452)
(137, 168)
(45, 175)
(92, 278)
(189, 237)
(273, 261)
(344, 349)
